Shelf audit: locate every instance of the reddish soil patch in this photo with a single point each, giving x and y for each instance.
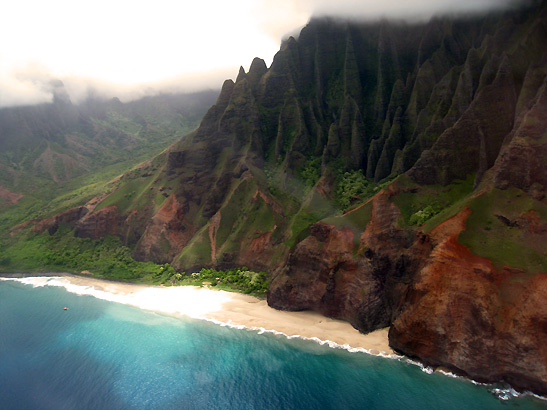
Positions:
(8, 197)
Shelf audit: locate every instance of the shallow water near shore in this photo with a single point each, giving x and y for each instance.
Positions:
(101, 354)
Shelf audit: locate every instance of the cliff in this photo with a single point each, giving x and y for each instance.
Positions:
(386, 174)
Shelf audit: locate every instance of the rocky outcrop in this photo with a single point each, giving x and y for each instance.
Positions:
(168, 232)
(463, 314)
(446, 305)
(69, 216)
(99, 224)
(360, 278)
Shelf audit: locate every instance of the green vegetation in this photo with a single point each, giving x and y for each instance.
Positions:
(272, 179)
(244, 212)
(106, 257)
(198, 250)
(300, 225)
(308, 206)
(130, 194)
(109, 258)
(421, 204)
(313, 209)
(88, 145)
(352, 187)
(239, 280)
(493, 232)
(312, 171)
(425, 214)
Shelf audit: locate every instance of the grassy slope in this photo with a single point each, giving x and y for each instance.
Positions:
(493, 230)
(496, 228)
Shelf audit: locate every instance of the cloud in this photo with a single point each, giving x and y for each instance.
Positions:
(36, 84)
(406, 9)
(26, 86)
(125, 48)
(278, 18)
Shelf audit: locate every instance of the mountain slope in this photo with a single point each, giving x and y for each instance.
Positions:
(62, 148)
(59, 141)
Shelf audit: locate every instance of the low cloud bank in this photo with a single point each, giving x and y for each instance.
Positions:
(407, 9)
(35, 83)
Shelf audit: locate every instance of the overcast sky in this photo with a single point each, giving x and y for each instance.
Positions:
(128, 47)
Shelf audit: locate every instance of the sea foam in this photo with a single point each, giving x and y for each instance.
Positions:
(190, 302)
(183, 300)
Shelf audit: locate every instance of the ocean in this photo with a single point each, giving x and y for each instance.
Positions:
(100, 354)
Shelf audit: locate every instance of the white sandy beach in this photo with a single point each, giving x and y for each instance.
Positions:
(234, 309)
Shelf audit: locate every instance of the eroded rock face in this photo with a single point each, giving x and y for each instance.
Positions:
(446, 306)
(52, 224)
(473, 143)
(362, 279)
(259, 253)
(168, 232)
(486, 323)
(99, 224)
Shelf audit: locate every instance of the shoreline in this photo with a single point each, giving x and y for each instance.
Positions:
(241, 311)
(227, 308)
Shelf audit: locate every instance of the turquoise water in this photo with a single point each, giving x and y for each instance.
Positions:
(105, 355)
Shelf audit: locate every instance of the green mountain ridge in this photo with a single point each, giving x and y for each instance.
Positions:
(59, 141)
(387, 174)
(51, 149)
